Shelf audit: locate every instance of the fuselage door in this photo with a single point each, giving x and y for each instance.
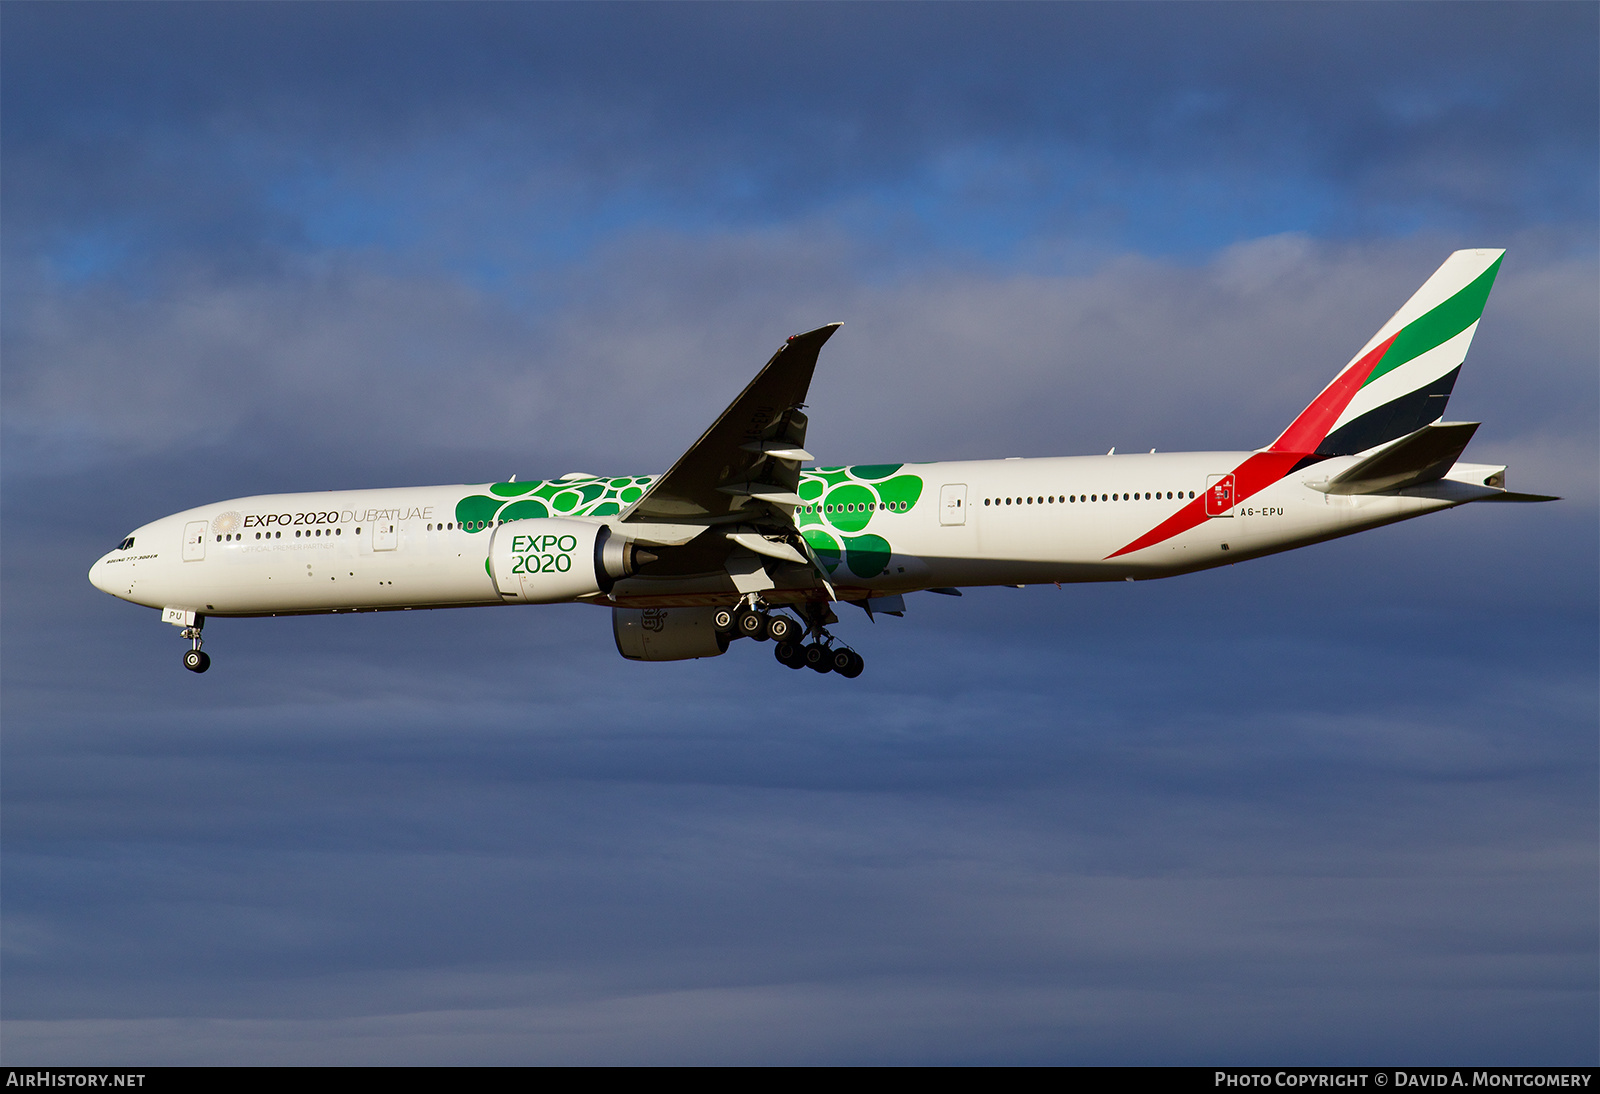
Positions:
(194, 541)
(385, 535)
(1219, 495)
(953, 503)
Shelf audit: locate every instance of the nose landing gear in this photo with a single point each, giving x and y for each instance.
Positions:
(195, 659)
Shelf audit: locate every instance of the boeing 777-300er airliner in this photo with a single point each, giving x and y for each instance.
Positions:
(736, 540)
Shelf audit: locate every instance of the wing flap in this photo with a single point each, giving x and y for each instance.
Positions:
(769, 546)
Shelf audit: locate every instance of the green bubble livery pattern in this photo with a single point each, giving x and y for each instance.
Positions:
(839, 504)
(593, 497)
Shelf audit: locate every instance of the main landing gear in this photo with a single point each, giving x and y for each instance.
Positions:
(822, 657)
(195, 659)
(813, 647)
(752, 621)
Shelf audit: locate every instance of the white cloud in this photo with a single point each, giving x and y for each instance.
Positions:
(628, 357)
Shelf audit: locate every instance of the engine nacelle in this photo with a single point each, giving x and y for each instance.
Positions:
(667, 634)
(549, 560)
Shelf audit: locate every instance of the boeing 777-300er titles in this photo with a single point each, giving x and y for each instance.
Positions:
(737, 540)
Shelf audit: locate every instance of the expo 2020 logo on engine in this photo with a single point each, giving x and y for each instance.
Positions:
(546, 554)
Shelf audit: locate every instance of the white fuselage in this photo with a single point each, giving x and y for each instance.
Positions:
(1034, 540)
(365, 550)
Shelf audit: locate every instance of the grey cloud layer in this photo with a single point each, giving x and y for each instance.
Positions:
(1277, 809)
(637, 352)
(438, 869)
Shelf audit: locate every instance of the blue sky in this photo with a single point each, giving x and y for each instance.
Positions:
(1336, 806)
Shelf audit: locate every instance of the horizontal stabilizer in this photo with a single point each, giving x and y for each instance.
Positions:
(1424, 456)
(1509, 495)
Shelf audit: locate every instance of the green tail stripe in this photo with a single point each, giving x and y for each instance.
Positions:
(1439, 325)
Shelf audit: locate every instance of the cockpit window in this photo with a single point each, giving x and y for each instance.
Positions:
(125, 544)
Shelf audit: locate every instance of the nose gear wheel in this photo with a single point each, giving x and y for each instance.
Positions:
(194, 659)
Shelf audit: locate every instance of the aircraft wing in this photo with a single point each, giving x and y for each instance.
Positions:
(741, 477)
(746, 467)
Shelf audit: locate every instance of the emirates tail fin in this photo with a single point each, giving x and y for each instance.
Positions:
(1402, 378)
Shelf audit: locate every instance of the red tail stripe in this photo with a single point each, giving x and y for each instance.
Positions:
(1255, 474)
(1264, 468)
(1309, 430)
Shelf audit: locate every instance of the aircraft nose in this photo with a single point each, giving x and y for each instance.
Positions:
(97, 574)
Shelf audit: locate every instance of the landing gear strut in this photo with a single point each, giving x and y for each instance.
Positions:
(195, 659)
